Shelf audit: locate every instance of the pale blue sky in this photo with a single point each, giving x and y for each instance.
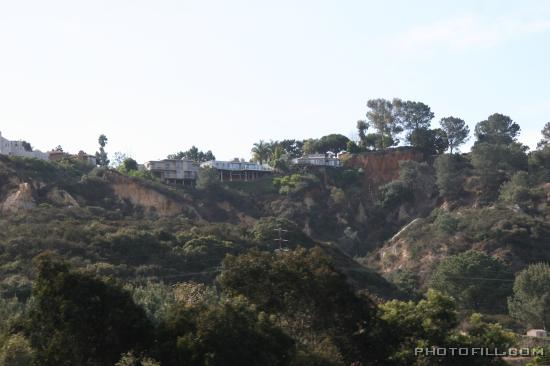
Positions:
(159, 76)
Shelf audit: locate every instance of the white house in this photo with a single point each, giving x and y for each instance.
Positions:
(318, 160)
(238, 170)
(173, 171)
(19, 148)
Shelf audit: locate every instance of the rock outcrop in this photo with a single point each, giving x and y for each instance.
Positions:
(60, 197)
(18, 200)
(127, 189)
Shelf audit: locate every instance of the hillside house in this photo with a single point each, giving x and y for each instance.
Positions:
(20, 148)
(173, 171)
(328, 159)
(238, 170)
(58, 155)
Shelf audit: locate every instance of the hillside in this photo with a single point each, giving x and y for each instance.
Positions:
(134, 229)
(365, 245)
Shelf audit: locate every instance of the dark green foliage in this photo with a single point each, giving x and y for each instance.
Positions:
(46, 171)
(494, 163)
(352, 147)
(433, 322)
(450, 176)
(129, 165)
(394, 194)
(497, 129)
(415, 182)
(383, 117)
(432, 141)
(456, 132)
(531, 300)
(376, 141)
(261, 152)
(295, 183)
(266, 233)
(539, 165)
(101, 156)
(517, 190)
(447, 224)
(203, 251)
(545, 141)
(414, 116)
(310, 296)
(208, 179)
(78, 320)
(193, 154)
(230, 333)
(333, 142)
(496, 155)
(477, 281)
(406, 281)
(292, 148)
(27, 146)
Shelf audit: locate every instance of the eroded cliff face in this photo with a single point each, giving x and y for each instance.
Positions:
(127, 189)
(381, 167)
(19, 200)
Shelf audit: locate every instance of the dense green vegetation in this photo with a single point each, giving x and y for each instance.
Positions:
(311, 266)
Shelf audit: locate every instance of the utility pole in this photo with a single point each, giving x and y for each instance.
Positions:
(280, 239)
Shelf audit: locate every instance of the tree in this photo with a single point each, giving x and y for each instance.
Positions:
(101, 156)
(362, 127)
(414, 116)
(450, 175)
(516, 190)
(530, 302)
(292, 148)
(27, 146)
(476, 280)
(261, 152)
(129, 165)
(383, 117)
(208, 178)
(434, 141)
(456, 131)
(352, 147)
(539, 165)
(312, 299)
(433, 321)
(497, 129)
(229, 333)
(16, 351)
(193, 154)
(118, 158)
(545, 137)
(494, 164)
(79, 320)
(496, 155)
(333, 142)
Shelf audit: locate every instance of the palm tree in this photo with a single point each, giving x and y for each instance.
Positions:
(261, 151)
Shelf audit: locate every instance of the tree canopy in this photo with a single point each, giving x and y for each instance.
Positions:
(477, 281)
(193, 154)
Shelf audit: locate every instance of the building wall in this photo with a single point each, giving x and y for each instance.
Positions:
(15, 148)
(174, 171)
(236, 166)
(229, 171)
(317, 160)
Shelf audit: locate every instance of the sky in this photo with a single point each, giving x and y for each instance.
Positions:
(159, 76)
